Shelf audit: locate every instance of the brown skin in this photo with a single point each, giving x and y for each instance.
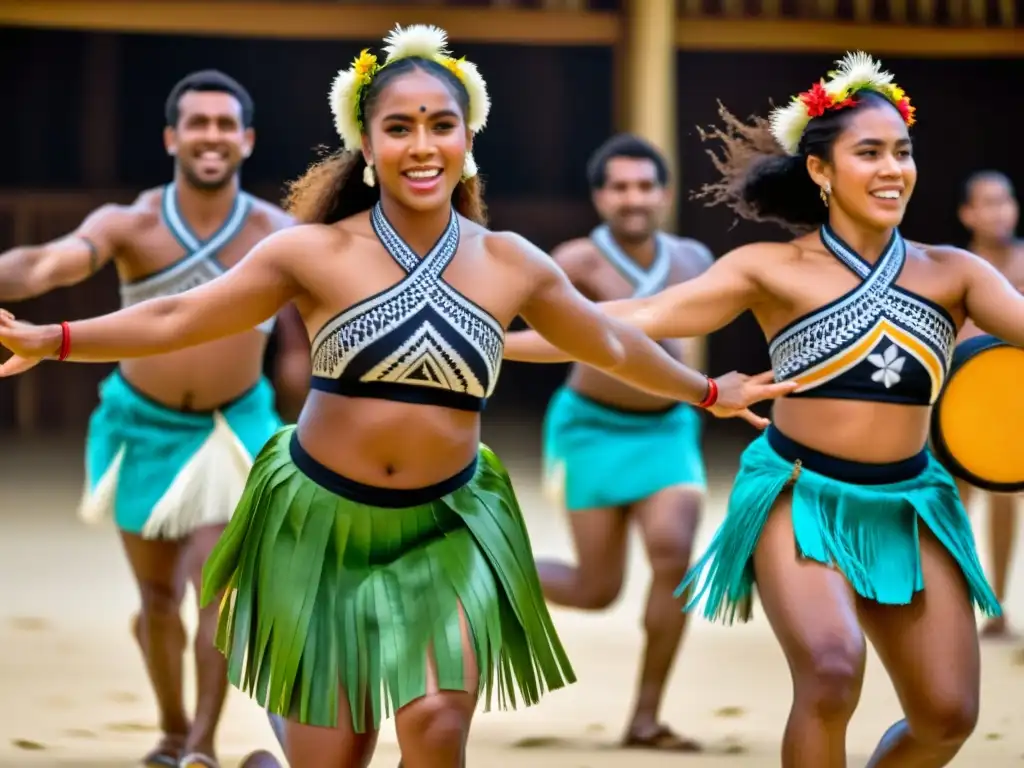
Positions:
(990, 214)
(820, 622)
(208, 144)
(633, 203)
(325, 269)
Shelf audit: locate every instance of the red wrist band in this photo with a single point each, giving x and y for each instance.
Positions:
(65, 341)
(711, 397)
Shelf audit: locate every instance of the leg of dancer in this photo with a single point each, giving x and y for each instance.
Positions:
(170, 444)
(615, 454)
(989, 211)
(846, 523)
(378, 561)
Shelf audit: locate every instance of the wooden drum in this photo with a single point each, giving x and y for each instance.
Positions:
(977, 428)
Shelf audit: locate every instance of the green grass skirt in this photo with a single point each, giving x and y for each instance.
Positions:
(323, 594)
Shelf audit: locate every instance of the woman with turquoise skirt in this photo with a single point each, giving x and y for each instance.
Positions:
(378, 561)
(848, 526)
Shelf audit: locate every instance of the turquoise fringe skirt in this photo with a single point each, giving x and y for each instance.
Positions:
(866, 525)
(331, 588)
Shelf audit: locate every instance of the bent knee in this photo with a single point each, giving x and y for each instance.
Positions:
(159, 601)
(670, 557)
(944, 720)
(600, 593)
(829, 681)
(440, 722)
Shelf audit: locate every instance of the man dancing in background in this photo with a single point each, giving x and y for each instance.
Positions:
(989, 211)
(171, 443)
(615, 454)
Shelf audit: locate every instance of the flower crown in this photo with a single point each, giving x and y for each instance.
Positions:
(855, 72)
(419, 40)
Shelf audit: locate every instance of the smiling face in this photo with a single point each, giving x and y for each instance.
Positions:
(210, 141)
(417, 140)
(871, 171)
(633, 199)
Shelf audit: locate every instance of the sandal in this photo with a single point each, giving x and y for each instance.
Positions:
(197, 760)
(663, 739)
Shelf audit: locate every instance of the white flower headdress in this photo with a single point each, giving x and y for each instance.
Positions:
(855, 72)
(419, 40)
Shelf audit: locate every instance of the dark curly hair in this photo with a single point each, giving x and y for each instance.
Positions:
(760, 182)
(333, 189)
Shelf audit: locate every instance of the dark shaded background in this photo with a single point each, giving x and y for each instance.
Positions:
(552, 107)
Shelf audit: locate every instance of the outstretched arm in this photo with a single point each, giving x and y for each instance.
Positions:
(32, 270)
(567, 320)
(992, 302)
(694, 308)
(242, 298)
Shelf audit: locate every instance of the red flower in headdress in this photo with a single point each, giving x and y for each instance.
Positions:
(816, 100)
(906, 110)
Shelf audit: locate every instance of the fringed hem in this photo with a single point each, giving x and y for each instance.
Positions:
(323, 594)
(869, 533)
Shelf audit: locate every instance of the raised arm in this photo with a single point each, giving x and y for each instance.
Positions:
(246, 295)
(696, 307)
(566, 319)
(991, 301)
(31, 270)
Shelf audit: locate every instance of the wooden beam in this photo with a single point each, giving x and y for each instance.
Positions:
(793, 36)
(313, 21)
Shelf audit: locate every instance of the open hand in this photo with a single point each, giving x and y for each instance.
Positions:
(31, 344)
(737, 392)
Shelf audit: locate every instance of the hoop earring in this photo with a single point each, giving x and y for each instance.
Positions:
(825, 192)
(369, 178)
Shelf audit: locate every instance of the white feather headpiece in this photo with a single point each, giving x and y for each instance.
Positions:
(420, 40)
(854, 72)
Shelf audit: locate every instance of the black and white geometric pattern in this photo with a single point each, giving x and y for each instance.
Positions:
(820, 336)
(424, 356)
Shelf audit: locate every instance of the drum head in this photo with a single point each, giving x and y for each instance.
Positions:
(978, 423)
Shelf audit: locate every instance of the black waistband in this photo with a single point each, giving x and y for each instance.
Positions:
(843, 469)
(627, 411)
(371, 495)
(417, 394)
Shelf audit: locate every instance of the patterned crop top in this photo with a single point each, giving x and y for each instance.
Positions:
(877, 342)
(420, 341)
(199, 265)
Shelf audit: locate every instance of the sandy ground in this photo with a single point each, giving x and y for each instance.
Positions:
(73, 690)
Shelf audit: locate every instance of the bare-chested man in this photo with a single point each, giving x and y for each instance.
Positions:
(990, 213)
(172, 440)
(615, 454)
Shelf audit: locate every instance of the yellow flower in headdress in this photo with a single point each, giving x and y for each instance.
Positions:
(454, 66)
(365, 66)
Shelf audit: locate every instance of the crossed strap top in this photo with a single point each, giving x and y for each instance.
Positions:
(877, 342)
(199, 265)
(645, 282)
(419, 341)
